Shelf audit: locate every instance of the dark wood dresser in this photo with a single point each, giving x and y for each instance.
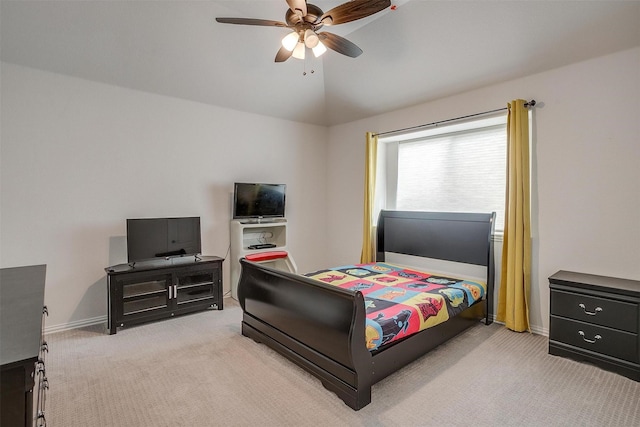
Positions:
(596, 319)
(22, 347)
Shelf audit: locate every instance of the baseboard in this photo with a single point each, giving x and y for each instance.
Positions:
(539, 330)
(75, 325)
(103, 319)
(535, 329)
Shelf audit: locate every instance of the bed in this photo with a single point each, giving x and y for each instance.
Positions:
(321, 327)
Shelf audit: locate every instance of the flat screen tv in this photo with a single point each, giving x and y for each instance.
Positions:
(152, 238)
(256, 201)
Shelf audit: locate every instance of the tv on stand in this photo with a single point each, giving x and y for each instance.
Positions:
(151, 239)
(259, 202)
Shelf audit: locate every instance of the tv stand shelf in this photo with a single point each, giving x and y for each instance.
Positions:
(156, 290)
(246, 236)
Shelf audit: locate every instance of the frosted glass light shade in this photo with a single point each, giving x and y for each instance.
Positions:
(319, 49)
(298, 52)
(290, 40)
(311, 39)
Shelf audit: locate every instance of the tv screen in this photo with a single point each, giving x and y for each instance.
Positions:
(149, 238)
(258, 200)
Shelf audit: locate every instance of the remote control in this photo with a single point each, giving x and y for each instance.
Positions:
(262, 246)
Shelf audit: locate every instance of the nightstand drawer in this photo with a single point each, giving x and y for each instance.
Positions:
(597, 310)
(603, 340)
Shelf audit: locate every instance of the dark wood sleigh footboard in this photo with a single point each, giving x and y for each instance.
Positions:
(321, 328)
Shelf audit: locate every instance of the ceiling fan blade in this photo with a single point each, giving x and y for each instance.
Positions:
(300, 5)
(283, 54)
(339, 44)
(251, 21)
(352, 10)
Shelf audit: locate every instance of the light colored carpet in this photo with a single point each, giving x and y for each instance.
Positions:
(198, 370)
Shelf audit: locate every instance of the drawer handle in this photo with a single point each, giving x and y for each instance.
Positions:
(42, 421)
(40, 368)
(590, 313)
(596, 338)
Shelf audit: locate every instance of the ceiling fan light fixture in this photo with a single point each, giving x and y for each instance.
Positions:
(290, 41)
(319, 49)
(298, 52)
(304, 20)
(311, 39)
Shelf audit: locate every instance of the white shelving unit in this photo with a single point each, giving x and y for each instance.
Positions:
(246, 234)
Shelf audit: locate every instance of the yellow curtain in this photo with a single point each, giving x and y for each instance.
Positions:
(515, 281)
(368, 239)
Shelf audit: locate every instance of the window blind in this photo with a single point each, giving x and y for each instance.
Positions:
(463, 171)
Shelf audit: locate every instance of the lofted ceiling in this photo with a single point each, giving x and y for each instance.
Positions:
(421, 51)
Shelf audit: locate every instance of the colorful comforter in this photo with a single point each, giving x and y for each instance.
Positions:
(401, 301)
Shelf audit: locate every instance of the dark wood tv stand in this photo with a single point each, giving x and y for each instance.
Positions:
(154, 290)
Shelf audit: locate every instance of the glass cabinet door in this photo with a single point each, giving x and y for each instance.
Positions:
(145, 294)
(195, 286)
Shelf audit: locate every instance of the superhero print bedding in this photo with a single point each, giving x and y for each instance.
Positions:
(401, 301)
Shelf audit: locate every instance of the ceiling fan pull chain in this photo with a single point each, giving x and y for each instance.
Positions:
(304, 70)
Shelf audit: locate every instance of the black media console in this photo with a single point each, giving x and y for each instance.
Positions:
(159, 289)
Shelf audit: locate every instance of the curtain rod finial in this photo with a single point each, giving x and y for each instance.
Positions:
(531, 103)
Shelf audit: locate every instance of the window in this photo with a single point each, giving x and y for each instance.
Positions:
(456, 168)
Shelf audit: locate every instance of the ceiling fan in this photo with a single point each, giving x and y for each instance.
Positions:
(305, 19)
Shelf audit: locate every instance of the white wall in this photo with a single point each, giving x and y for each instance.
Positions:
(79, 157)
(586, 177)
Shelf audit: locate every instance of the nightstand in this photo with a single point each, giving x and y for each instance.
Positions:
(596, 319)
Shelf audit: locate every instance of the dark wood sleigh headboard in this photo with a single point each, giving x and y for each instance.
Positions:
(452, 236)
(460, 237)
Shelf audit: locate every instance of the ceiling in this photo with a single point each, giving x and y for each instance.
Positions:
(423, 50)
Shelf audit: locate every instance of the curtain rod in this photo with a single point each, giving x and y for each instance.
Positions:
(527, 104)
